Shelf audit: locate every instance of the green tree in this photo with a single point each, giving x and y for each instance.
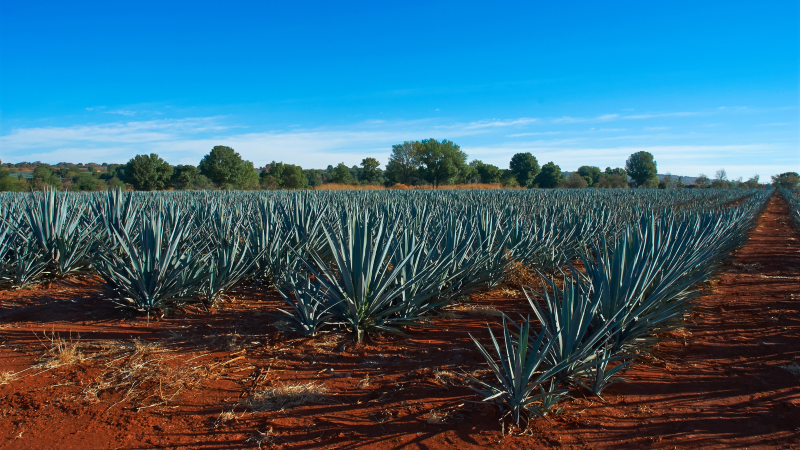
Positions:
(314, 177)
(575, 181)
(86, 181)
(613, 181)
(144, 172)
(283, 176)
(369, 172)
(43, 177)
(752, 182)
(616, 171)
(786, 180)
(7, 182)
(525, 167)
(590, 173)
(441, 162)
(720, 180)
(294, 178)
(642, 168)
(273, 176)
(226, 168)
(487, 172)
(115, 183)
(508, 179)
(550, 176)
(341, 174)
(185, 176)
(403, 164)
(702, 181)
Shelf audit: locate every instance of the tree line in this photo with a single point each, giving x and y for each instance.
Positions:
(428, 162)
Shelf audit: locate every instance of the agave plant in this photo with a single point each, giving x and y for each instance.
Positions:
(569, 319)
(21, 262)
(360, 284)
(155, 267)
(268, 241)
(63, 229)
(525, 380)
(117, 210)
(230, 255)
(309, 301)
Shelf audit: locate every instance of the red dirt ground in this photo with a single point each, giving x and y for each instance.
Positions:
(720, 384)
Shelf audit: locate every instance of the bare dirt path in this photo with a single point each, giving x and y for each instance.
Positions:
(724, 383)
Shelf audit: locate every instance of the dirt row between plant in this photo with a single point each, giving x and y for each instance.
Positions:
(87, 376)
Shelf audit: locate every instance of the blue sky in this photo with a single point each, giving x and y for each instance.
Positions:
(701, 85)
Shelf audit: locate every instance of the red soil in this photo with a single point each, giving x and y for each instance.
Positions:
(721, 383)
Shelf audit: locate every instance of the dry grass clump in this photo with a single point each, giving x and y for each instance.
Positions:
(7, 377)
(478, 310)
(447, 378)
(285, 396)
(323, 340)
(507, 292)
(437, 417)
(60, 352)
(519, 275)
(349, 187)
(225, 417)
(259, 437)
(146, 373)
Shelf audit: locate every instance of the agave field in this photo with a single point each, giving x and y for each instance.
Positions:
(612, 271)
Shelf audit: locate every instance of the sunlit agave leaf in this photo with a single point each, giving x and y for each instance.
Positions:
(158, 269)
(64, 229)
(516, 367)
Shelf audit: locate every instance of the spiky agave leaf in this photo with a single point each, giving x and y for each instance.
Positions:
(63, 228)
(517, 370)
(231, 255)
(309, 301)
(158, 268)
(268, 238)
(566, 320)
(360, 282)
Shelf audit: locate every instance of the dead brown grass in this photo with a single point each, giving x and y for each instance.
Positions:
(437, 417)
(520, 275)
(285, 396)
(453, 311)
(7, 377)
(60, 352)
(148, 373)
(447, 378)
(349, 187)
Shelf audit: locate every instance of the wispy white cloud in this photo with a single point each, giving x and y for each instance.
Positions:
(686, 160)
(185, 141)
(569, 119)
(671, 114)
(122, 112)
(118, 133)
(539, 133)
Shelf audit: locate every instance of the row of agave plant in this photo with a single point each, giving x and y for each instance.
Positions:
(45, 235)
(793, 199)
(379, 262)
(594, 323)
